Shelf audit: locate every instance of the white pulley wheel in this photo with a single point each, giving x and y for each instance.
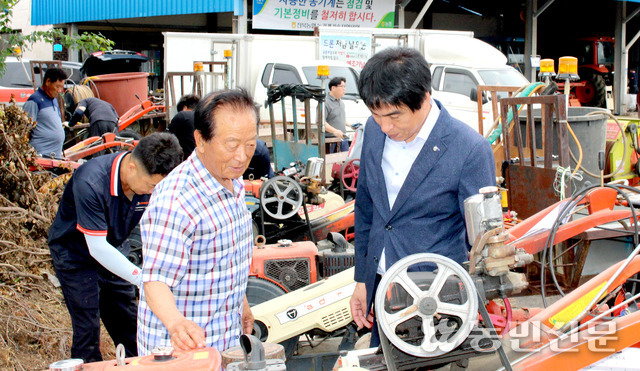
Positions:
(405, 298)
(278, 193)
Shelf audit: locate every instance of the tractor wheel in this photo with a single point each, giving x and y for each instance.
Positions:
(259, 291)
(594, 93)
(128, 133)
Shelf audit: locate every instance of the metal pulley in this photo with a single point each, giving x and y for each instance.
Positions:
(426, 305)
(281, 197)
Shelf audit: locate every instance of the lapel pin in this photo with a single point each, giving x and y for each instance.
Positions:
(435, 149)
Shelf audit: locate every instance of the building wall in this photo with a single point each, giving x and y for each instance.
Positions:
(22, 21)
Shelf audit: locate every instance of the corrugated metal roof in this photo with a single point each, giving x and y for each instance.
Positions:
(44, 12)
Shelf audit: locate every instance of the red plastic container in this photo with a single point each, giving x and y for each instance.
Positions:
(120, 89)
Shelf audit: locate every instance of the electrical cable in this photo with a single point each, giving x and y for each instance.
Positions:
(624, 147)
(576, 198)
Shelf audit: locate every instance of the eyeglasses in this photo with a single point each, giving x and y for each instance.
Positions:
(341, 86)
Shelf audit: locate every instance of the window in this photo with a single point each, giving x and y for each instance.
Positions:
(266, 74)
(311, 73)
(435, 78)
(458, 82)
(285, 74)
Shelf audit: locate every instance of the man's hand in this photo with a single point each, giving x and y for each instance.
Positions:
(358, 305)
(186, 335)
(247, 318)
(339, 134)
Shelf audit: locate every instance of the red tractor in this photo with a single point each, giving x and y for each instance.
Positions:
(595, 67)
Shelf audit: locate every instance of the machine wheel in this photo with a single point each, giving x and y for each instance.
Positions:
(594, 93)
(417, 311)
(135, 242)
(281, 197)
(259, 291)
(349, 174)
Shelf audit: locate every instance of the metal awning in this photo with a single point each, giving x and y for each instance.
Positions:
(45, 12)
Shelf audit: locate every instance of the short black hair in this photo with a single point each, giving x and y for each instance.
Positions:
(189, 101)
(205, 114)
(158, 153)
(395, 76)
(336, 81)
(55, 74)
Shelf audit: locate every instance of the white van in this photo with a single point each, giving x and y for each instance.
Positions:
(458, 65)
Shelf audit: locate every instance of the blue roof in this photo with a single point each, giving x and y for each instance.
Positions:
(45, 12)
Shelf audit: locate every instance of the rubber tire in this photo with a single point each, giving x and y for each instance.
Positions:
(596, 82)
(127, 133)
(135, 242)
(259, 291)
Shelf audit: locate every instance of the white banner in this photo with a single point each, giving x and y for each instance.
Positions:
(304, 15)
(355, 50)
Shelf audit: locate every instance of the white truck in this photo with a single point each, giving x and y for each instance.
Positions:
(258, 61)
(459, 63)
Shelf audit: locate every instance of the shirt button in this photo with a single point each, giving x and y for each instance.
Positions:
(375, 259)
(388, 227)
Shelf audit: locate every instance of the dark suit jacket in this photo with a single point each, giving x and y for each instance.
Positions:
(428, 214)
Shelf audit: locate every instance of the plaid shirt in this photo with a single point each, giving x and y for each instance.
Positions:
(197, 239)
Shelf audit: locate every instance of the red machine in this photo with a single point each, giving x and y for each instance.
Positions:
(424, 315)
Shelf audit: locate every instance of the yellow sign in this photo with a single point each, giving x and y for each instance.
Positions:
(574, 309)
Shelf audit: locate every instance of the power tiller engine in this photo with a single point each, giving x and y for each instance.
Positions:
(427, 305)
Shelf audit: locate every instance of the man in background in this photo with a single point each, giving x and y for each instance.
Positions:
(47, 137)
(335, 115)
(182, 123)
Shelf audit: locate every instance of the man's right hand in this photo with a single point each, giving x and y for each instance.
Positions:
(358, 305)
(186, 335)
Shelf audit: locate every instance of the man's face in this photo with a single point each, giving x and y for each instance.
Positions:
(141, 182)
(52, 89)
(339, 90)
(228, 153)
(399, 122)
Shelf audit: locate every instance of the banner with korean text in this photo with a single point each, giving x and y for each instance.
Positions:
(355, 50)
(304, 15)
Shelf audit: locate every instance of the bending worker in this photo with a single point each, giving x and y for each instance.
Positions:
(418, 165)
(197, 236)
(100, 206)
(47, 137)
(103, 118)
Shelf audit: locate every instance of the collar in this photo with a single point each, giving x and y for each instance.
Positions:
(430, 121)
(332, 97)
(44, 94)
(114, 185)
(212, 185)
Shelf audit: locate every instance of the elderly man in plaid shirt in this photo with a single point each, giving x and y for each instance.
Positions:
(197, 236)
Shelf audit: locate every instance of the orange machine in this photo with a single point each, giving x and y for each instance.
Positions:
(205, 359)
